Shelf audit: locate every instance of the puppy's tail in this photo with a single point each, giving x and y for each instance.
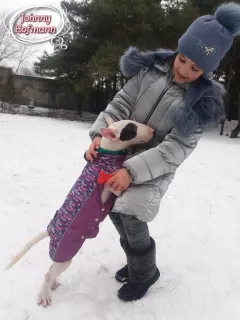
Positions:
(28, 246)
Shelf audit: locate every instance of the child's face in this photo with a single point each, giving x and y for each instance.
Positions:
(185, 70)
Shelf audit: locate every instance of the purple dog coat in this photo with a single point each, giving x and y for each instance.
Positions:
(82, 210)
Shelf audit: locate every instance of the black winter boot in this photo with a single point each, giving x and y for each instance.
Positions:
(143, 273)
(122, 274)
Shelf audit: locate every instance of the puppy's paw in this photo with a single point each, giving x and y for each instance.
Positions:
(44, 299)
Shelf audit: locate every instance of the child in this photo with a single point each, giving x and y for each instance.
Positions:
(172, 92)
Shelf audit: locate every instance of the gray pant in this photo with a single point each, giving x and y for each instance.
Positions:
(132, 230)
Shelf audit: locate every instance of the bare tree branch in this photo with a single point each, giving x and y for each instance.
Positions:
(9, 47)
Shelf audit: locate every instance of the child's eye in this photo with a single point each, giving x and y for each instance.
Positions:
(195, 70)
(181, 59)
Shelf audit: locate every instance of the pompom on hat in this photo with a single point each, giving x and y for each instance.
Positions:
(209, 38)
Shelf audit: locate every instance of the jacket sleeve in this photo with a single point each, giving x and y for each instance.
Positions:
(121, 106)
(163, 159)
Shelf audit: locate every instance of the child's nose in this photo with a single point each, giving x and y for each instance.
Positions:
(184, 72)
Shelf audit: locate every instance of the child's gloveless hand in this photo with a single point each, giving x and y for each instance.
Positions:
(120, 180)
(92, 149)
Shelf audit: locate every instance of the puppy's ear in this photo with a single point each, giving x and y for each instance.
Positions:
(109, 120)
(108, 133)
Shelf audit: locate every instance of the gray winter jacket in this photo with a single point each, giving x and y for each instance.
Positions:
(151, 97)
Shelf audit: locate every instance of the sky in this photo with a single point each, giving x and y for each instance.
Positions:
(13, 5)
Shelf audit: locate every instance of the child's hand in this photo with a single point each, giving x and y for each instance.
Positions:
(92, 149)
(120, 180)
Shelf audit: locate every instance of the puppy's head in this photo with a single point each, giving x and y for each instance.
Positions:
(128, 131)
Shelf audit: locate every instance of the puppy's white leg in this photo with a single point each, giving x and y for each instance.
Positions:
(50, 282)
(55, 285)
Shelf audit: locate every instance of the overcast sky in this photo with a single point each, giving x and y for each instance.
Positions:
(14, 4)
(8, 6)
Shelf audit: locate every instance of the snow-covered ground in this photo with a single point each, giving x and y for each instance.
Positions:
(197, 231)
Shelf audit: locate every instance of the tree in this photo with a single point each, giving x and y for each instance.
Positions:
(206, 6)
(12, 50)
(8, 47)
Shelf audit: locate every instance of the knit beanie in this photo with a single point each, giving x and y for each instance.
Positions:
(208, 38)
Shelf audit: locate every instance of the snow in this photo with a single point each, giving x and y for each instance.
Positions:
(197, 231)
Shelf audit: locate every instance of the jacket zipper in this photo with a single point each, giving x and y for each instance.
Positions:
(156, 103)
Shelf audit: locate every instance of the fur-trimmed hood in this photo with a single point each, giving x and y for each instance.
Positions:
(204, 100)
(133, 60)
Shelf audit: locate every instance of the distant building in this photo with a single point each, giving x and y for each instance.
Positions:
(40, 92)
